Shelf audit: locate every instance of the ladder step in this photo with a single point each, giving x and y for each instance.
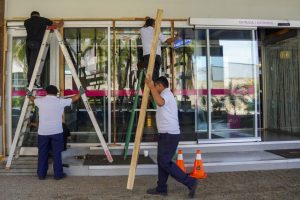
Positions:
(26, 119)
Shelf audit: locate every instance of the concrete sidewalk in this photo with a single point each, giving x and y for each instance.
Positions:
(273, 185)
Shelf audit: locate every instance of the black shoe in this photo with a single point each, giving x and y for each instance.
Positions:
(153, 191)
(65, 165)
(192, 190)
(37, 86)
(60, 177)
(42, 177)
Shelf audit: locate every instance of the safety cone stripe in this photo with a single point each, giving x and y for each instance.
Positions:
(179, 157)
(198, 157)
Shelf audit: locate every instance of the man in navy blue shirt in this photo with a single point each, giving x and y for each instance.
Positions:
(35, 28)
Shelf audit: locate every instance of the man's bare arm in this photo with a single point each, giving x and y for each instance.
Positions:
(58, 24)
(156, 96)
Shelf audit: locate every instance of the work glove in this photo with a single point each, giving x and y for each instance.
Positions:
(81, 90)
(29, 93)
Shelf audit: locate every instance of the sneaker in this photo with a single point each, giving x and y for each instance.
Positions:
(153, 191)
(192, 190)
(61, 177)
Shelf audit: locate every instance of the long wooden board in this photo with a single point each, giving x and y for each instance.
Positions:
(141, 121)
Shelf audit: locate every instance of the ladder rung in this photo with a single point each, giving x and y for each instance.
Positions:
(21, 134)
(26, 119)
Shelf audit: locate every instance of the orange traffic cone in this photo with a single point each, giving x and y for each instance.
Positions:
(198, 171)
(180, 161)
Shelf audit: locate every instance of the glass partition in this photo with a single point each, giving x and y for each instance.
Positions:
(19, 88)
(88, 48)
(129, 55)
(201, 87)
(185, 79)
(227, 84)
(212, 73)
(232, 83)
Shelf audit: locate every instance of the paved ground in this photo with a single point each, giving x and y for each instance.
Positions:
(271, 185)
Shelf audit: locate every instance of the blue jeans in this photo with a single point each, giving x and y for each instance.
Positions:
(56, 144)
(167, 145)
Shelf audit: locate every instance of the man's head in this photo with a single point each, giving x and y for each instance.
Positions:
(35, 13)
(161, 83)
(51, 90)
(149, 22)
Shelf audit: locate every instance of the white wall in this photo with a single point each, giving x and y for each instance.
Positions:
(254, 9)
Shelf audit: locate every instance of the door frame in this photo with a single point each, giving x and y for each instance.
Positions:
(255, 58)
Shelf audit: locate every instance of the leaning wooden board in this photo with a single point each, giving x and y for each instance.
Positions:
(141, 121)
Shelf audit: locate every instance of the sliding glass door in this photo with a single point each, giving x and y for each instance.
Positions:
(89, 50)
(226, 84)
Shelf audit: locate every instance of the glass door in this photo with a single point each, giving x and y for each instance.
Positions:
(88, 48)
(201, 73)
(129, 63)
(227, 85)
(17, 85)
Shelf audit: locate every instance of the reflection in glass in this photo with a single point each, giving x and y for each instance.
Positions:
(19, 78)
(185, 80)
(88, 48)
(200, 60)
(232, 74)
(19, 88)
(129, 55)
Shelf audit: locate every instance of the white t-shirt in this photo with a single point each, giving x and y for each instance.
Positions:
(147, 36)
(51, 109)
(167, 115)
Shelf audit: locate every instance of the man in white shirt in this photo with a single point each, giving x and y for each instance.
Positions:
(168, 138)
(50, 131)
(147, 33)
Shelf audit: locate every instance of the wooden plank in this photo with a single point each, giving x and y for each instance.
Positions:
(141, 121)
(62, 71)
(5, 47)
(2, 73)
(61, 66)
(173, 58)
(100, 19)
(114, 83)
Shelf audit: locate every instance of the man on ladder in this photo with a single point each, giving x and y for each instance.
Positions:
(50, 131)
(147, 36)
(35, 28)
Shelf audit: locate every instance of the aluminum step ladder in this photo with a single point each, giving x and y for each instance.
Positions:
(27, 106)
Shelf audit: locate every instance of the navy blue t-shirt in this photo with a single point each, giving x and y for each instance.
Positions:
(36, 27)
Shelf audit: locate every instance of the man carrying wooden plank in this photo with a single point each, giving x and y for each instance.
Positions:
(168, 138)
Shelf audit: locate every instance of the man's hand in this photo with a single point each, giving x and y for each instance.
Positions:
(59, 23)
(61, 92)
(81, 90)
(149, 82)
(29, 94)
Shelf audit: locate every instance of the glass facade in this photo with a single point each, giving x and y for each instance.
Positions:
(19, 86)
(88, 48)
(212, 73)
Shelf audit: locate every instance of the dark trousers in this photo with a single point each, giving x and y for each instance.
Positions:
(32, 52)
(156, 65)
(56, 144)
(167, 145)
